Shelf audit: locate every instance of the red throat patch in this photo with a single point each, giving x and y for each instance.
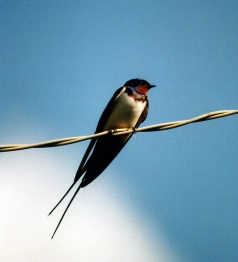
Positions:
(142, 89)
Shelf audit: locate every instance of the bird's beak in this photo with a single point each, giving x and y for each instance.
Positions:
(150, 86)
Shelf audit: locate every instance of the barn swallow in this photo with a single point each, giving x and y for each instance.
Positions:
(127, 108)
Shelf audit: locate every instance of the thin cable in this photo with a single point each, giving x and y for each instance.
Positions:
(121, 131)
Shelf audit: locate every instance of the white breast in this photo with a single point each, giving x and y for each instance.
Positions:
(125, 113)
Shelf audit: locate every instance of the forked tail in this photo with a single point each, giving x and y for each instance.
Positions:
(66, 207)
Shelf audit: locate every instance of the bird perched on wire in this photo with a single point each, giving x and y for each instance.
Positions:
(127, 108)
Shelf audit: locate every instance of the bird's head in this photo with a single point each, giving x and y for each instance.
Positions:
(140, 85)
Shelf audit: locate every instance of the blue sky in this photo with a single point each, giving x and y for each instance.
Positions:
(168, 196)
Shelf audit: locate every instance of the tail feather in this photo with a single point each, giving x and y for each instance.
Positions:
(62, 198)
(76, 192)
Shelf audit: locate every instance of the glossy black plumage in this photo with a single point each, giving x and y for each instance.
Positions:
(127, 108)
